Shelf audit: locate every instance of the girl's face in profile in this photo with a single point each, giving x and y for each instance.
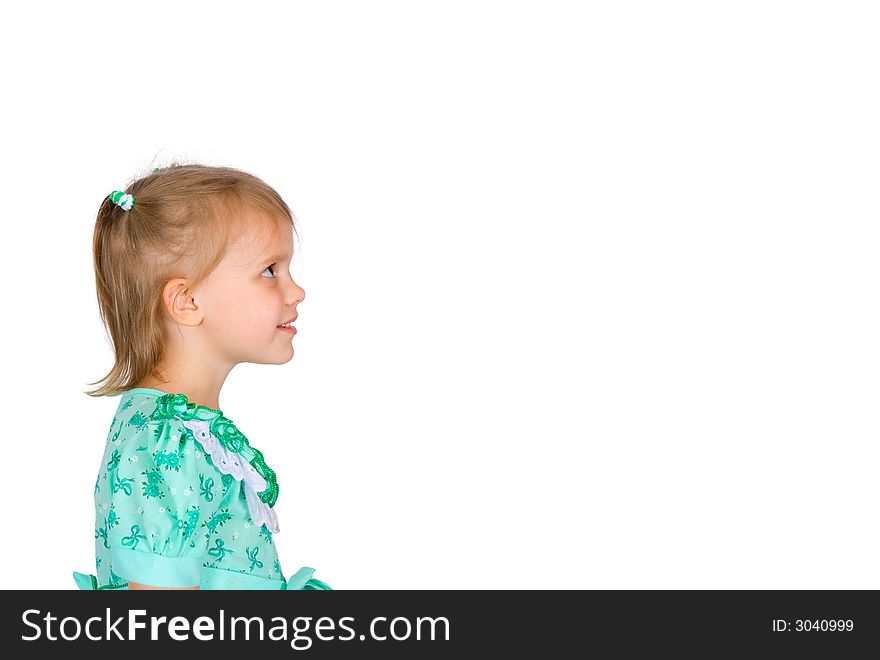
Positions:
(251, 293)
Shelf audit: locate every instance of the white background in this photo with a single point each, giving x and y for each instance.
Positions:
(591, 288)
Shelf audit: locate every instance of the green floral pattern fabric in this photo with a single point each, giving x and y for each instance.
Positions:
(165, 512)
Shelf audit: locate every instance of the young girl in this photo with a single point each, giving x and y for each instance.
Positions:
(191, 267)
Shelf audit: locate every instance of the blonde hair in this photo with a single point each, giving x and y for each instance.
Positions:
(183, 219)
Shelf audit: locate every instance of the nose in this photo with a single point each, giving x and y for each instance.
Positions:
(295, 294)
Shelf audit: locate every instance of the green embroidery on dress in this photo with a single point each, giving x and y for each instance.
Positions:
(221, 427)
(217, 519)
(189, 523)
(252, 555)
(112, 518)
(265, 533)
(97, 479)
(157, 433)
(227, 480)
(278, 568)
(228, 434)
(151, 485)
(135, 537)
(123, 484)
(192, 519)
(102, 534)
(169, 460)
(207, 487)
(110, 521)
(138, 420)
(127, 403)
(113, 463)
(220, 552)
(234, 440)
(270, 495)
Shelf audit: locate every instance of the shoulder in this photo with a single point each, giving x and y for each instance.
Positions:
(153, 425)
(170, 423)
(217, 435)
(172, 416)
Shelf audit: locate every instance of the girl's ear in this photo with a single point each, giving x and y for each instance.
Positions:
(180, 304)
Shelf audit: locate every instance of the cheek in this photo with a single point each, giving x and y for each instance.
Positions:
(255, 314)
(256, 329)
(247, 312)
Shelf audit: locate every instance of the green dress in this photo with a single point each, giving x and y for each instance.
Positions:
(183, 500)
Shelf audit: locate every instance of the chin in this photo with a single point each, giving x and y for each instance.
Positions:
(288, 358)
(278, 359)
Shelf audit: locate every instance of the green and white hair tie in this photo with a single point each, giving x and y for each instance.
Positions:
(122, 199)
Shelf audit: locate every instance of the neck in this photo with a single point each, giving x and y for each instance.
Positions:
(203, 391)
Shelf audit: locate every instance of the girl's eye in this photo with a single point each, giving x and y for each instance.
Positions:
(271, 268)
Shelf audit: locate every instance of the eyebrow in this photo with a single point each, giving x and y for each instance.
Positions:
(274, 257)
